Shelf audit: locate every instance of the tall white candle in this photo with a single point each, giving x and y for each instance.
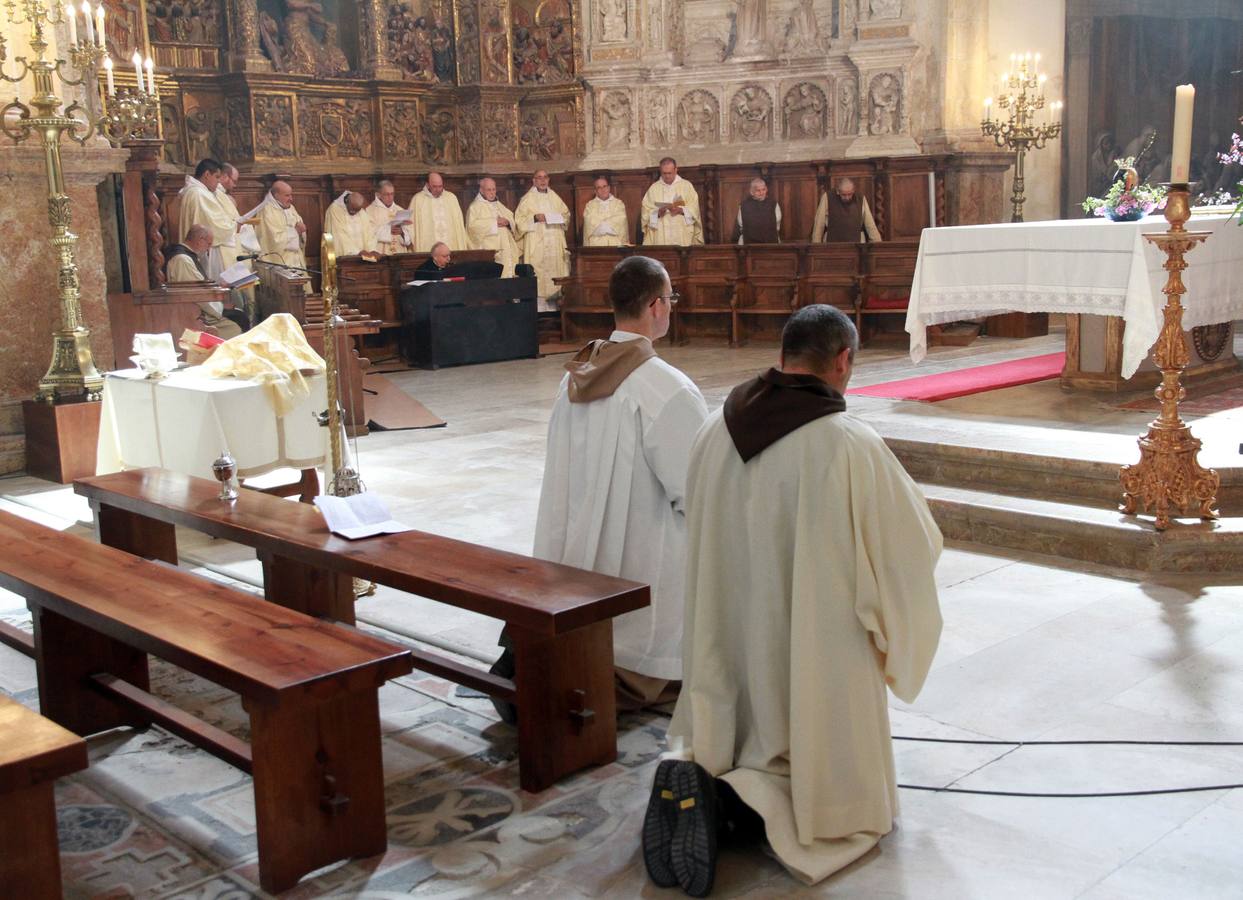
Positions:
(90, 25)
(71, 16)
(137, 61)
(988, 108)
(100, 34)
(150, 76)
(932, 200)
(112, 85)
(1180, 162)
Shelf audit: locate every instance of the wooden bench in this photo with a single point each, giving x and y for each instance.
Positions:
(34, 752)
(310, 687)
(560, 617)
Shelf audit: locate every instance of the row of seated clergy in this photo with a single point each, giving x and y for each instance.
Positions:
(184, 266)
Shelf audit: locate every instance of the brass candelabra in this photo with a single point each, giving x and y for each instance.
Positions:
(72, 374)
(1168, 475)
(1022, 95)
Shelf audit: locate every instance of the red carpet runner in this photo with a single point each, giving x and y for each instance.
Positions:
(948, 385)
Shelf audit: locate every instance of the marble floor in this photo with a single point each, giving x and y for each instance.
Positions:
(1033, 649)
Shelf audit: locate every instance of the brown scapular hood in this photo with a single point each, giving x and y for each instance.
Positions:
(762, 411)
(598, 369)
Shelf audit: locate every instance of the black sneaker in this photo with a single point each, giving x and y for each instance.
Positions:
(694, 849)
(658, 825)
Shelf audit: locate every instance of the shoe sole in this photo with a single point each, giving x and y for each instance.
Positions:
(693, 852)
(658, 823)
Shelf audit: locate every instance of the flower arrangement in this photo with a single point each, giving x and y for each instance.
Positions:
(1234, 156)
(1127, 199)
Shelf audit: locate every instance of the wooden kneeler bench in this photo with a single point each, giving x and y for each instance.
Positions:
(34, 752)
(560, 618)
(310, 687)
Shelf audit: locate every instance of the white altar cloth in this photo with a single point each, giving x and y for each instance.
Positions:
(183, 421)
(1090, 266)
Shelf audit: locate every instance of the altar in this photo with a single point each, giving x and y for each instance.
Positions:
(1102, 275)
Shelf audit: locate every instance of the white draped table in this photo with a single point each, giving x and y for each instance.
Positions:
(183, 421)
(1085, 266)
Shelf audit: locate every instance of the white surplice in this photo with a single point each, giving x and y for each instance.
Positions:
(485, 232)
(809, 589)
(681, 230)
(543, 243)
(612, 500)
(352, 234)
(199, 206)
(381, 217)
(605, 224)
(437, 220)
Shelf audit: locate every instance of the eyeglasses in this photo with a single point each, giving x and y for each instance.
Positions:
(672, 299)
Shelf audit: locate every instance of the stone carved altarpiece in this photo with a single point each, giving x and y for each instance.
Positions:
(805, 113)
(334, 129)
(699, 118)
(613, 121)
(751, 115)
(274, 130)
(399, 123)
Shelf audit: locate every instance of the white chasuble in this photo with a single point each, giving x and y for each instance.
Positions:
(351, 234)
(543, 243)
(199, 206)
(605, 223)
(809, 590)
(671, 228)
(612, 500)
(381, 218)
(279, 240)
(437, 220)
(485, 233)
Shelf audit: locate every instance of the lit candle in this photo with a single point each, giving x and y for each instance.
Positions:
(1180, 162)
(112, 87)
(137, 61)
(72, 18)
(99, 24)
(90, 25)
(988, 108)
(150, 76)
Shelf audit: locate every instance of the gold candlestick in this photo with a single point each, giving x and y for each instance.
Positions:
(1168, 475)
(1022, 93)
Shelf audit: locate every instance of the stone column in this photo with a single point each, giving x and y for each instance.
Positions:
(244, 54)
(374, 40)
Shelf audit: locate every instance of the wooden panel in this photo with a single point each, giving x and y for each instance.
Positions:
(30, 862)
(908, 205)
(34, 749)
(61, 439)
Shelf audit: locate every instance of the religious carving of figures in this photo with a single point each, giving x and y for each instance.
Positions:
(273, 125)
(805, 113)
(442, 50)
(205, 133)
(183, 21)
(751, 116)
(658, 129)
(884, 96)
(612, 20)
(752, 23)
(270, 40)
(847, 107)
(123, 31)
(305, 53)
(438, 136)
(535, 138)
(543, 49)
(495, 42)
(698, 118)
(241, 142)
(802, 35)
(614, 119)
(171, 119)
(849, 11)
(400, 121)
(885, 9)
(500, 128)
(469, 133)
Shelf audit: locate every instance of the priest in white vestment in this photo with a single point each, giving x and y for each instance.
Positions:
(542, 218)
(389, 238)
(245, 241)
(183, 267)
(281, 231)
(350, 226)
(437, 217)
(809, 591)
(198, 205)
(490, 226)
(613, 493)
(604, 218)
(671, 209)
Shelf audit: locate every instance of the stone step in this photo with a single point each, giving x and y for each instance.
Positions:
(1086, 533)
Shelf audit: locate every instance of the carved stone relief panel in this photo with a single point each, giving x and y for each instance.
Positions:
(699, 118)
(420, 41)
(467, 45)
(547, 131)
(206, 128)
(170, 120)
(274, 132)
(438, 133)
(805, 112)
(334, 129)
(613, 120)
(659, 125)
(847, 107)
(543, 45)
(184, 21)
(399, 123)
(241, 141)
(612, 23)
(494, 28)
(803, 36)
(469, 133)
(655, 25)
(885, 104)
(751, 115)
(710, 37)
(500, 131)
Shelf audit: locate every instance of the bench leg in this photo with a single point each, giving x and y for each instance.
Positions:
(135, 534)
(30, 860)
(567, 708)
(66, 656)
(316, 592)
(319, 785)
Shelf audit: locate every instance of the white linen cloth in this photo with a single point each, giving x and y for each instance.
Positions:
(1088, 266)
(183, 421)
(612, 500)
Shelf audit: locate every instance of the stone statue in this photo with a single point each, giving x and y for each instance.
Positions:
(751, 114)
(658, 120)
(698, 118)
(612, 20)
(802, 34)
(885, 9)
(885, 96)
(847, 111)
(270, 40)
(306, 54)
(752, 23)
(615, 118)
(804, 109)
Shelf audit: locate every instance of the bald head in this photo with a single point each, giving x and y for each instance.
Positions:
(198, 239)
(487, 189)
(441, 254)
(282, 193)
(846, 188)
(435, 184)
(354, 203)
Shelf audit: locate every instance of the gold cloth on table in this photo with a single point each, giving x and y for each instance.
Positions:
(274, 353)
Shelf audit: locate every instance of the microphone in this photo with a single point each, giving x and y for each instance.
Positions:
(248, 256)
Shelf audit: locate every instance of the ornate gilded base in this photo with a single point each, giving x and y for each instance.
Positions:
(1168, 477)
(72, 374)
